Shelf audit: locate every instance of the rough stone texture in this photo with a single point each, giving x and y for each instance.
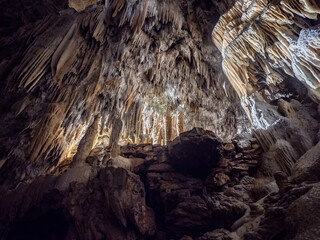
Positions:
(264, 44)
(195, 152)
(110, 206)
(303, 216)
(87, 142)
(218, 234)
(80, 5)
(308, 166)
(151, 71)
(142, 62)
(159, 201)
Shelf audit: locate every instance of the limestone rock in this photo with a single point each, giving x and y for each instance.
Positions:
(195, 152)
(218, 234)
(109, 60)
(76, 84)
(127, 163)
(286, 109)
(243, 144)
(220, 179)
(244, 32)
(80, 5)
(303, 218)
(229, 147)
(78, 174)
(307, 166)
(86, 143)
(114, 198)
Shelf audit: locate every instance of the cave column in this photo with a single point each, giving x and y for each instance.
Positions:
(180, 122)
(168, 126)
(87, 142)
(115, 135)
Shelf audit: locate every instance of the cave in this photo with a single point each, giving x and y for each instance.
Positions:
(160, 119)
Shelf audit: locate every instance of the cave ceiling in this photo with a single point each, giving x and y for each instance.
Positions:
(148, 69)
(263, 43)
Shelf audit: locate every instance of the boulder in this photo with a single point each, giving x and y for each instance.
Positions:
(307, 167)
(195, 152)
(286, 109)
(111, 206)
(200, 214)
(303, 216)
(126, 163)
(220, 179)
(243, 144)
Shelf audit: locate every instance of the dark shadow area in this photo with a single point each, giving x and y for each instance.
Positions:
(51, 225)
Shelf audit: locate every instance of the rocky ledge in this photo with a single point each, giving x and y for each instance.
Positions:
(197, 187)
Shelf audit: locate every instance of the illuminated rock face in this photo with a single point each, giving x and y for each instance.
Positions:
(64, 68)
(80, 5)
(263, 42)
(78, 84)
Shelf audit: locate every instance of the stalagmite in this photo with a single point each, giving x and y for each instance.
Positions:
(168, 126)
(116, 130)
(86, 143)
(159, 119)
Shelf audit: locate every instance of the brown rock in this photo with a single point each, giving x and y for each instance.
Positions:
(220, 179)
(307, 167)
(195, 152)
(286, 109)
(218, 234)
(224, 162)
(303, 221)
(229, 147)
(147, 148)
(160, 168)
(240, 167)
(243, 144)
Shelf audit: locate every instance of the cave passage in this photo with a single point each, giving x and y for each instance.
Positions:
(162, 120)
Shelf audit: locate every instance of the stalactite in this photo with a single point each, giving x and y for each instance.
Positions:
(47, 132)
(80, 5)
(73, 66)
(263, 34)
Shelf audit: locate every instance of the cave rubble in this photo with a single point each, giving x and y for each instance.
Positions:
(151, 119)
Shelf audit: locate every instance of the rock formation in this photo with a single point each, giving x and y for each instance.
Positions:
(159, 200)
(158, 73)
(151, 119)
(263, 42)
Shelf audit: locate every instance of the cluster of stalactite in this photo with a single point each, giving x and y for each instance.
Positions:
(263, 42)
(161, 128)
(66, 68)
(80, 5)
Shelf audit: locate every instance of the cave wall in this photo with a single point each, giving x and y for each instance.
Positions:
(266, 43)
(78, 81)
(63, 67)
